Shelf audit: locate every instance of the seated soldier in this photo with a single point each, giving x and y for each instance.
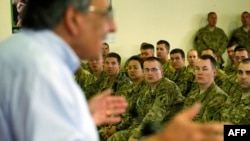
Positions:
(162, 51)
(119, 82)
(230, 68)
(181, 76)
(192, 57)
(240, 53)
(220, 76)
(157, 105)
(236, 109)
(140, 86)
(208, 94)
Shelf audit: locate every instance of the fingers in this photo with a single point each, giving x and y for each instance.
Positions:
(211, 131)
(112, 119)
(212, 128)
(191, 112)
(116, 105)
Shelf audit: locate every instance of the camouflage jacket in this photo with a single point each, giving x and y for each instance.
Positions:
(184, 80)
(230, 69)
(133, 95)
(241, 37)
(216, 39)
(157, 105)
(168, 70)
(236, 109)
(211, 100)
(120, 86)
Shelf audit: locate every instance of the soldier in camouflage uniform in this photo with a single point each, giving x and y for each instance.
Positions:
(140, 86)
(236, 109)
(84, 78)
(230, 68)
(85, 66)
(157, 105)
(208, 94)
(242, 34)
(240, 53)
(162, 51)
(192, 57)
(181, 76)
(211, 37)
(105, 49)
(146, 50)
(220, 76)
(119, 82)
(90, 82)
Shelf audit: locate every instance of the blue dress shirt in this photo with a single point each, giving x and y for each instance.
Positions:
(39, 98)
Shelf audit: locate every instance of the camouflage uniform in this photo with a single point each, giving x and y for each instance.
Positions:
(241, 37)
(133, 95)
(216, 39)
(84, 78)
(220, 77)
(211, 100)
(183, 79)
(190, 69)
(230, 69)
(231, 88)
(92, 87)
(156, 106)
(233, 77)
(168, 70)
(120, 86)
(236, 109)
(85, 66)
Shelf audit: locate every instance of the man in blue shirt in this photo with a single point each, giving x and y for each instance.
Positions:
(39, 99)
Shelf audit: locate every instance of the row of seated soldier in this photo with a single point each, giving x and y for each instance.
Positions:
(156, 88)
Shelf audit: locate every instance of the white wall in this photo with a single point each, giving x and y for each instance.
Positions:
(150, 20)
(173, 20)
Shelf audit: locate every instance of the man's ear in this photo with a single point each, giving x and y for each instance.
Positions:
(72, 20)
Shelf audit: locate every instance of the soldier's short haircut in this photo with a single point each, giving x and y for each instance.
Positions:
(148, 46)
(230, 44)
(240, 48)
(149, 59)
(114, 55)
(210, 13)
(105, 43)
(245, 61)
(178, 50)
(213, 51)
(166, 43)
(136, 58)
(245, 12)
(211, 58)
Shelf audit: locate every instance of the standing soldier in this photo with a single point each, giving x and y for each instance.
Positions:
(242, 34)
(213, 37)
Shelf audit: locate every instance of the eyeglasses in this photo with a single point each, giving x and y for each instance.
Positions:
(152, 70)
(104, 12)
